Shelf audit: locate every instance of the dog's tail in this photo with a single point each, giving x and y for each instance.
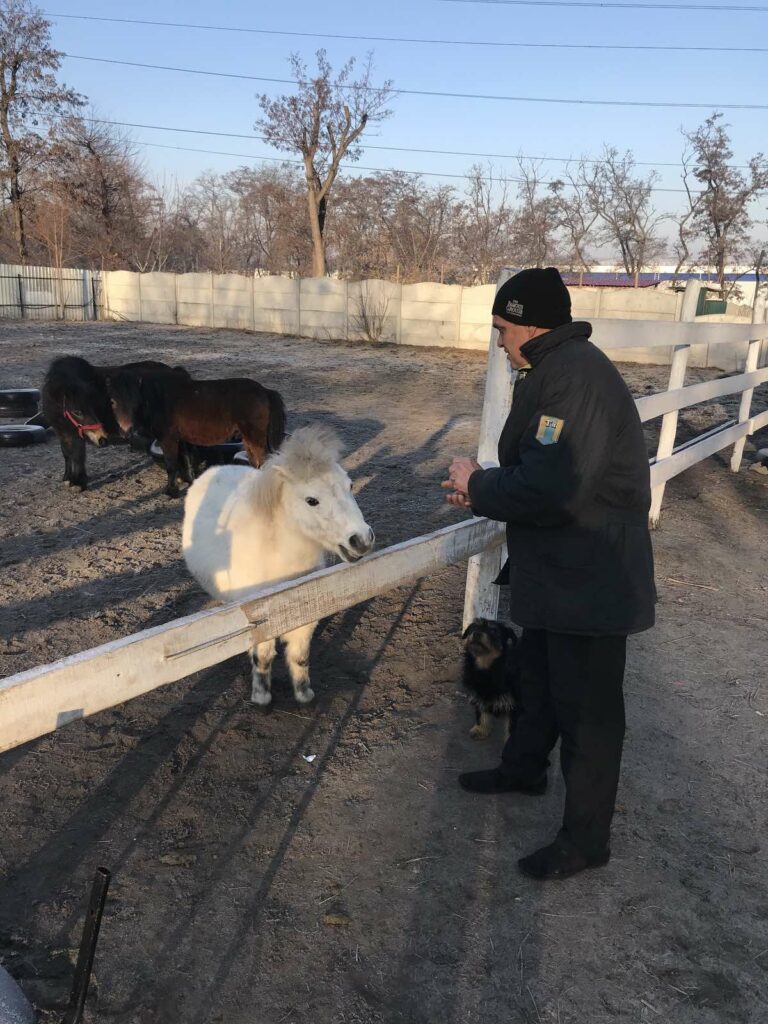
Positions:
(276, 426)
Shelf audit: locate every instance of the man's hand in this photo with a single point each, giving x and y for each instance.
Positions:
(458, 481)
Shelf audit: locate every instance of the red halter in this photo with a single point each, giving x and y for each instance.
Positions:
(81, 427)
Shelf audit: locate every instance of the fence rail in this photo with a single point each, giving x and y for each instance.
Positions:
(683, 398)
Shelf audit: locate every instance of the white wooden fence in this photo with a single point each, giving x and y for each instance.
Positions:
(41, 700)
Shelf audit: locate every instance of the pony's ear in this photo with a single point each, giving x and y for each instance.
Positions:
(280, 469)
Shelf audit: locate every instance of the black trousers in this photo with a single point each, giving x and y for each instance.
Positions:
(571, 687)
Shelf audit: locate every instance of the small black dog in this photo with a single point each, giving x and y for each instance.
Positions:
(491, 670)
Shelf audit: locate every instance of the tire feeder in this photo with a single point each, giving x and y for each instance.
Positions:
(211, 455)
(19, 401)
(20, 435)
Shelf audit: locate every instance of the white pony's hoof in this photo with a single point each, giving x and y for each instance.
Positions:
(261, 698)
(305, 695)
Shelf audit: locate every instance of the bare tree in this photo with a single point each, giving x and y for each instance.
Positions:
(720, 214)
(273, 232)
(757, 261)
(95, 166)
(534, 221)
(50, 224)
(30, 97)
(170, 237)
(575, 218)
(685, 231)
(622, 201)
(483, 224)
(359, 238)
(322, 122)
(215, 210)
(418, 222)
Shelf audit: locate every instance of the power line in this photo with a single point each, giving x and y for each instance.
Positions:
(620, 6)
(402, 39)
(352, 167)
(395, 149)
(427, 92)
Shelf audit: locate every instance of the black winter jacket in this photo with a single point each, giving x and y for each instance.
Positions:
(573, 488)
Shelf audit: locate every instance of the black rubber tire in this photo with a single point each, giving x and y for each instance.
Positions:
(223, 452)
(19, 396)
(16, 403)
(19, 435)
(17, 412)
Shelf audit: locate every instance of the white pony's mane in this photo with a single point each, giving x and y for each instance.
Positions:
(307, 453)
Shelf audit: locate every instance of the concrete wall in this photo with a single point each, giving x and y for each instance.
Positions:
(412, 314)
(625, 303)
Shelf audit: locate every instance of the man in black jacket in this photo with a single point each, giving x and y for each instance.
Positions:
(573, 488)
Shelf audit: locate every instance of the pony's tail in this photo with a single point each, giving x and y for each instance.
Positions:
(276, 426)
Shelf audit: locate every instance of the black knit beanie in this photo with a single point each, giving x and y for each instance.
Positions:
(536, 298)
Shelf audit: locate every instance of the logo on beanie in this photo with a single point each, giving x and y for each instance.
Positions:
(515, 308)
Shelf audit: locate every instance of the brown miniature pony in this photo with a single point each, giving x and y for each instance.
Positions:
(77, 406)
(198, 412)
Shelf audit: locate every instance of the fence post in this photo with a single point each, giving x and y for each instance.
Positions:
(677, 370)
(481, 598)
(213, 286)
(141, 305)
(753, 351)
(85, 293)
(21, 296)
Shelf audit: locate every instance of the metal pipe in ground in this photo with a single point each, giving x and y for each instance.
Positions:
(87, 952)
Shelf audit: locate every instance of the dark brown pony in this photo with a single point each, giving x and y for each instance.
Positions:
(77, 406)
(198, 412)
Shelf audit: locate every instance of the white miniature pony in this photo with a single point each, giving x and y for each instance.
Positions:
(244, 527)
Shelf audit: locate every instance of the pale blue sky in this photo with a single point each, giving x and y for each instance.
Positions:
(189, 101)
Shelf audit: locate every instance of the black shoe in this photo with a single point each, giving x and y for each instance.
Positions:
(558, 861)
(494, 780)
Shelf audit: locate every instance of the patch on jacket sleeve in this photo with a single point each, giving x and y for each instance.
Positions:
(549, 430)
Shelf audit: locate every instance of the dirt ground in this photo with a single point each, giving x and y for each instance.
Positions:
(251, 886)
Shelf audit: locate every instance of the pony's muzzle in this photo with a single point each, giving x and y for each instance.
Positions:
(96, 437)
(358, 544)
(361, 543)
